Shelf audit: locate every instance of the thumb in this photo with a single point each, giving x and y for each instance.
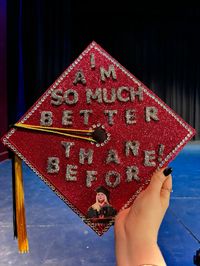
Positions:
(157, 180)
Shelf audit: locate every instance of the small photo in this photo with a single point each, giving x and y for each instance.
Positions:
(101, 211)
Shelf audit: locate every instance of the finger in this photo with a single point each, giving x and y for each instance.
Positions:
(122, 214)
(167, 187)
(120, 218)
(157, 180)
(167, 171)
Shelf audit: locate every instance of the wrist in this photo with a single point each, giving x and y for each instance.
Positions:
(146, 253)
(148, 265)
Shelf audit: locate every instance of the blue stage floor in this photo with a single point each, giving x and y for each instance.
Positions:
(57, 236)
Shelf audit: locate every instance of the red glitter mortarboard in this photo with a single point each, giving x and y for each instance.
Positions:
(98, 125)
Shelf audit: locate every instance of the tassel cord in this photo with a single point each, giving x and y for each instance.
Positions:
(20, 208)
(55, 131)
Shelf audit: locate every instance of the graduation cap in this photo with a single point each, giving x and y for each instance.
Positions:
(96, 126)
(103, 190)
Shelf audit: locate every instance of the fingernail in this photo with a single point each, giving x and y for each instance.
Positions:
(167, 171)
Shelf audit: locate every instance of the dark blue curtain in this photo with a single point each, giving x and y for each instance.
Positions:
(20, 87)
(158, 43)
(38, 50)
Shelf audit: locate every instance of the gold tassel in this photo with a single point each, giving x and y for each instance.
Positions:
(20, 209)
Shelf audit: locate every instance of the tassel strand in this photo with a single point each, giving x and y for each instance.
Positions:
(20, 208)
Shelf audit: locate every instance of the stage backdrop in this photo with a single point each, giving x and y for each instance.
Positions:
(3, 89)
(159, 44)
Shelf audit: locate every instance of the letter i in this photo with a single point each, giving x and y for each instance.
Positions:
(92, 61)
